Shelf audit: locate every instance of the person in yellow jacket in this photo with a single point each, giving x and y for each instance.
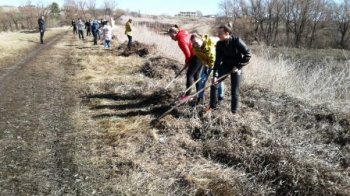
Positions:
(205, 50)
(128, 32)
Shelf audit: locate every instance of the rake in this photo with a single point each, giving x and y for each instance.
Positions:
(177, 75)
(185, 99)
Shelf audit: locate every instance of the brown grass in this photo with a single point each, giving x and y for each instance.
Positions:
(277, 145)
(19, 44)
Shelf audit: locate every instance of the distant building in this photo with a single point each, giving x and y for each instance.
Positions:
(189, 14)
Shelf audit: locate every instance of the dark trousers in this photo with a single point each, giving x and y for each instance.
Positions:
(193, 73)
(130, 41)
(94, 33)
(235, 83)
(81, 34)
(42, 36)
(75, 30)
(88, 32)
(98, 34)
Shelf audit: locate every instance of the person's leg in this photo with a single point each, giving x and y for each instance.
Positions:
(130, 41)
(95, 37)
(79, 34)
(82, 34)
(189, 79)
(193, 72)
(107, 44)
(198, 70)
(41, 37)
(214, 90)
(204, 78)
(235, 83)
(221, 91)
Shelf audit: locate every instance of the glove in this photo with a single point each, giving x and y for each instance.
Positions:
(214, 82)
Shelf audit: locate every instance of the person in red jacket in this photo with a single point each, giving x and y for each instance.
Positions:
(193, 64)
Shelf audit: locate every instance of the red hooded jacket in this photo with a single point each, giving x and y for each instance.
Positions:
(183, 39)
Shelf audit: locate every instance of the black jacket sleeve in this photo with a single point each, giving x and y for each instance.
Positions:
(245, 52)
(218, 58)
(41, 24)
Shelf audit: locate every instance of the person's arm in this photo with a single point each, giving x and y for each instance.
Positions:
(218, 59)
(245, 51)
(186, 50)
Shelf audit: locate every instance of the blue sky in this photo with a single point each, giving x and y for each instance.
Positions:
(148, 6)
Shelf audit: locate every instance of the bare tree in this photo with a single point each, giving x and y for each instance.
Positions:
(91, 5)
(319, 15)
(342, 21)
(71, 9)
(82, 8)
(15, 18)
(42, 8)
(110, 6)
(226, 6)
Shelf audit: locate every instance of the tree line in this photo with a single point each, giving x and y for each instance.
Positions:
(291, 23)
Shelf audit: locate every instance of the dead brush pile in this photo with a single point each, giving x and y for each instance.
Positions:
(159, 67)
(137, 48)
(279, 142)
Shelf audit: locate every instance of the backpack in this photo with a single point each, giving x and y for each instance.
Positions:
(95, 25)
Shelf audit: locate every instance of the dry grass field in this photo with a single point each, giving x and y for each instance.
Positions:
(16, 45)
(291, 136)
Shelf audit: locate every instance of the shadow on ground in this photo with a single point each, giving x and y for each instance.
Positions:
(132, 105)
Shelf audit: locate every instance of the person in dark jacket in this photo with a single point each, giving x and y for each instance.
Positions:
(88, 28)
(41, 23)
(74, 25)
(95, 30)
(232, 55)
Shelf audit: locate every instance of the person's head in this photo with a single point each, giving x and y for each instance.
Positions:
(173, 31)
(196, 40)
(42, 17)
(130, 20)
(224, 32)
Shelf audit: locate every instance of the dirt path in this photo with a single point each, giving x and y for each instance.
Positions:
(36, 136)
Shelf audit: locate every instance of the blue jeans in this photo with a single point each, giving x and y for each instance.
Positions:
(235, 83)
(129, 41)
(107, 43)
(204, 78)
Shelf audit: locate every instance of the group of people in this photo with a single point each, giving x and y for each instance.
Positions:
(203, 57)
(96, 28)
(225, 58)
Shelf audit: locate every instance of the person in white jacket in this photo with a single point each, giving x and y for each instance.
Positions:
(107, 35)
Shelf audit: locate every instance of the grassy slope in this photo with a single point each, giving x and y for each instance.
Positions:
(276, 145)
